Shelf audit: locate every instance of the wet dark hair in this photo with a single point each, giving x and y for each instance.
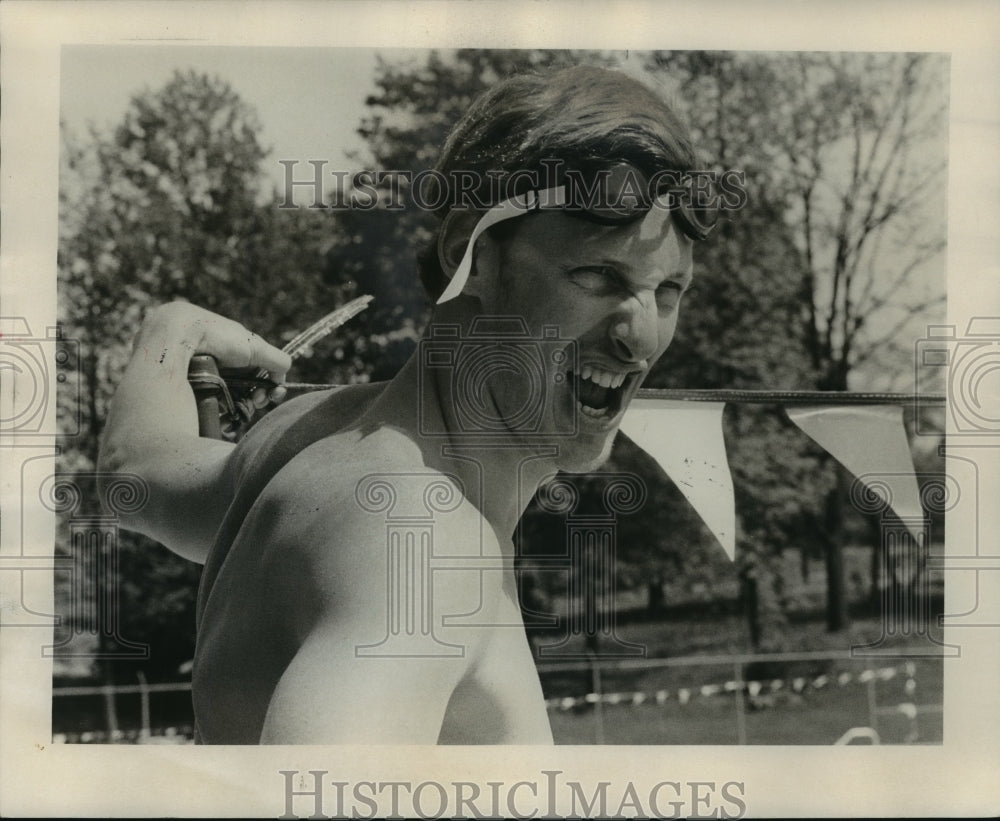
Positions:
(581, 117)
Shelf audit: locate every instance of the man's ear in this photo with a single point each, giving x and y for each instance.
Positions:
(453, 238)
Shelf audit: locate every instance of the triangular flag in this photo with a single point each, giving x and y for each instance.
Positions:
(870, 441)
(685, 439)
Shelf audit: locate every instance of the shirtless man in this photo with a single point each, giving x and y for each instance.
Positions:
(358, 583)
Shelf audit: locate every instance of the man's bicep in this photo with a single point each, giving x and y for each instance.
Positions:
(188, 494)
(331, 694)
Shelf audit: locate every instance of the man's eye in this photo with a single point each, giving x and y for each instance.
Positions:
(594, 279)
(668, 295)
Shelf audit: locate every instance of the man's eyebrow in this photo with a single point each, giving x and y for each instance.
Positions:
(580, 258)
(685, 277)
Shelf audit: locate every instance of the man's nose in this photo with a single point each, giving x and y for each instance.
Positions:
(635, 330)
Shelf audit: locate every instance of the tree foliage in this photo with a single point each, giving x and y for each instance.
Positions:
(843, 161)
(169, 206)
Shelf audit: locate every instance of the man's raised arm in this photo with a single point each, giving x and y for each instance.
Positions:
(152, 426)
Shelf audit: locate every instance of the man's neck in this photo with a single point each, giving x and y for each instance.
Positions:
(499, 475)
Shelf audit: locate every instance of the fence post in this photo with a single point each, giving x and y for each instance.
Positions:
(595, 681)
(145, 731)
(741, 716)
(910, 708)
(872, 700)
(110, 711)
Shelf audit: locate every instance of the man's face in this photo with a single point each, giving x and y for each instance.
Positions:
(614, 290)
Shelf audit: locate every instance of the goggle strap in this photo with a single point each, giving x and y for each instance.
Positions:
(508, 209)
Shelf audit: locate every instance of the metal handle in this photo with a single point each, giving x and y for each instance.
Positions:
(208, 387)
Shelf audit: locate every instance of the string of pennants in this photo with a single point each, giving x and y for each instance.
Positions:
(683, 695)
(682, 431)
(862, 431)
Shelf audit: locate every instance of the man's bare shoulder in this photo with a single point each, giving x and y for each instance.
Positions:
(330, 521)
(339, 495)
(305, 419)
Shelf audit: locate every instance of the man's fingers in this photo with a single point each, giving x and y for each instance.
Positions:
(232, 345)
(260, 398)
(265, 356)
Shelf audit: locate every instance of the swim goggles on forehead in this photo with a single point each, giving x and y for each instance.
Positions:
(616, 196)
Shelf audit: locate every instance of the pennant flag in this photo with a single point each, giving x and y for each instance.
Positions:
(685, 438)
(870, 441)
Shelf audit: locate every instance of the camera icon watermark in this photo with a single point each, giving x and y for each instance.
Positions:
(970, 367)
(27, 363)
(500, 380)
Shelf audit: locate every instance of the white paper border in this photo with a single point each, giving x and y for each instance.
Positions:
(959, 777)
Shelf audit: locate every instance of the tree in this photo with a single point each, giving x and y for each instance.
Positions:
(189, 160)
(170, 206)
(846, 150)
(863, 180)
(864, 239)
(740, 329)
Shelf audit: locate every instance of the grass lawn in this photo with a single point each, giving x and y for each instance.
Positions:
(819, 709)
(829, 698)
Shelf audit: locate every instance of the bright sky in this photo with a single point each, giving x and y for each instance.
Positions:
(310, 101)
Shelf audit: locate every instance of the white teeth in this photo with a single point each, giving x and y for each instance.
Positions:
(588, 411)
(606, 379)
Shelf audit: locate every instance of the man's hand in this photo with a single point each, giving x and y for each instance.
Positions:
(152, 427)
(232, 345)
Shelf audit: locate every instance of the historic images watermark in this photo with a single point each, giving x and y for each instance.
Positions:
(968, 367)
(416, 567)
(967, 364)
(93, 609)
(903, 577)
(604, 189)
(313, 794)
(90, 506)
(495, 346)
(587, 562)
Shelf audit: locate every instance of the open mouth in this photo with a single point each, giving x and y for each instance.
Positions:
(599, 393)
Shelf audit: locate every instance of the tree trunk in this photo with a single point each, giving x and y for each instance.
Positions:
(655, 603)
(836, 588)
(762, 600)
(751, 607)
(876, 580)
